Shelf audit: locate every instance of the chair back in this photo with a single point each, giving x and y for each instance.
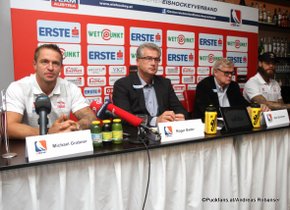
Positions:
(189, 96)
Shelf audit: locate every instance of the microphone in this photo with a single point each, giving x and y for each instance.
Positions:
(127, 116)
(95, 106)
(143, 131)
(103, 114)
(42, 108)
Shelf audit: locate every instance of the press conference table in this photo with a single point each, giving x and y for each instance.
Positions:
(247, 170)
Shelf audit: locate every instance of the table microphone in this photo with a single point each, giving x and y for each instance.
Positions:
(124, 115)
(42, 108)
(104, 114)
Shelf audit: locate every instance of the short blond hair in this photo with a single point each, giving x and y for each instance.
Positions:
(223, 62)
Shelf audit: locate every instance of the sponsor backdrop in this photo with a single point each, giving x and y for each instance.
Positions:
(99, 39)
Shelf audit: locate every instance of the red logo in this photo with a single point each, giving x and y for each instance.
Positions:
(60, 105)
(237, 43)
(119, 54)
(108, 90)
(157, 37)
(63, 53)
(75, 31)
(69, 4)
(181, 39)
(106, 34)
(245, 59)
(190, 57)
(210, 58)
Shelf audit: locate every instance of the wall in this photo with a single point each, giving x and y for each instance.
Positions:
(6, 57)
(101, 40)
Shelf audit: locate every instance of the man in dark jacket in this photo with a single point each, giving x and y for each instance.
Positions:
(145, 93)
(218, 89)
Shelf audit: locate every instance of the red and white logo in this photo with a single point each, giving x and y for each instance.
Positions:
(106, 34)
(181, 39)
(60, 105)
(69, 4)
(236, 18)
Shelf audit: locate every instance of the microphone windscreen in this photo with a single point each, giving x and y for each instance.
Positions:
(95, 106)
(127, 116)
(42, 103)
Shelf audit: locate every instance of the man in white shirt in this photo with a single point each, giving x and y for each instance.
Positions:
(65, 98)
(262, 88)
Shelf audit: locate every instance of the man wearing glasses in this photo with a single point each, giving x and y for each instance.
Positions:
(65, 97)
(262, 88)
(144, 93)
(218, 90)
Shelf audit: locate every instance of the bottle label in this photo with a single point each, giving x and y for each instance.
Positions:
(97, 137)
(255, 117)
(210, 122)
(107, 135)
(117, 135)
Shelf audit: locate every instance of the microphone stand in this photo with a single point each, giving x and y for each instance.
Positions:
(142, 135)
(146, 134)
(4, 127)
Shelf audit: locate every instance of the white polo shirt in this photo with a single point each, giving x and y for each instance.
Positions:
(256, 85)
(66, 97)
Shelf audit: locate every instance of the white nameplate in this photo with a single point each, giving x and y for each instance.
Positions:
(278, 118)
(181, 130)
(59, 145)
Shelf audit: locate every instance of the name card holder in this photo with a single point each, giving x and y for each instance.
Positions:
(278, 118)
(59, 145)
(181, 130)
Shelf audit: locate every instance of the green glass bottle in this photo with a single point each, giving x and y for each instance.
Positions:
(107, 132)
(96, 131)
(117, 131)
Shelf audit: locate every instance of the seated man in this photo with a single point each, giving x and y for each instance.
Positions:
(218, 90)
(65, 97)
(262, 88)
(145, 93)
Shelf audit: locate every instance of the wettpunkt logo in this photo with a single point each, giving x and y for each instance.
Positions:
(236, 18)
(237, 44)
(211, 58)
(168, 131)
(181, 39)
(70, 4)
(40, 146)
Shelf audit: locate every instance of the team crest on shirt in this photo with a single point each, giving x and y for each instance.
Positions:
(60, 105)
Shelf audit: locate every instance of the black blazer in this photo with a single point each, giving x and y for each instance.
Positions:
(204, 96)
(132, 99)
